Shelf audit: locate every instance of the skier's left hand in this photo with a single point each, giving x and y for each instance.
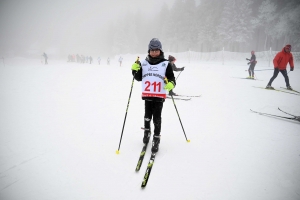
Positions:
(292, 69)
(169, 86)
(248, 63)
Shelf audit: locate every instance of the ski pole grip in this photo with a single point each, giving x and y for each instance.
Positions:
(137, 60)
(166, 80)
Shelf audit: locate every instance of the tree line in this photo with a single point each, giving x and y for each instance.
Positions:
(235, 25)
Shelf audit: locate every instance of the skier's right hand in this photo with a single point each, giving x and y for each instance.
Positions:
(135, 67)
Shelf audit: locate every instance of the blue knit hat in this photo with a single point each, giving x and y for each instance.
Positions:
(155, 44)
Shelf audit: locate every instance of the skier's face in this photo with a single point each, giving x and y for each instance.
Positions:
(154, 53)
(287, 49)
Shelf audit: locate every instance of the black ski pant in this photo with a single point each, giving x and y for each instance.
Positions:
(284, 74)
(251, 70)
(153, 109)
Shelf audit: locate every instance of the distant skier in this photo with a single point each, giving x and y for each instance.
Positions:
(120, 61)
(108, 61)
(91, 59)
(252, 62)
(172, 60)
(280, 62)
(99, 60)
(46, 58)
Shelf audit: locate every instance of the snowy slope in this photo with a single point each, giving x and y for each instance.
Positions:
(60, 126)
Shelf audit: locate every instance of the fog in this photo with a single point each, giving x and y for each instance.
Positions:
(31, 26)
(109, 28)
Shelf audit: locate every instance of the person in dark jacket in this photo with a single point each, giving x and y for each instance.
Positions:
(157, 77)
(172, 60)
(252, 62)
(280, 62)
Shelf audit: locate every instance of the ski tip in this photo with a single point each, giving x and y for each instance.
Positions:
(188, 140)
(117, 152)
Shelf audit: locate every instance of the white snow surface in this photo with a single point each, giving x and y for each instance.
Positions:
(61, 123)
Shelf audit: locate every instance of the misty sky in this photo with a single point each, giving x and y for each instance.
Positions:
(27, 24)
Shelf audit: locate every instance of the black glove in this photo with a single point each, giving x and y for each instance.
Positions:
(248, 63)
(292, 69)
(182, 69)
(247, 59)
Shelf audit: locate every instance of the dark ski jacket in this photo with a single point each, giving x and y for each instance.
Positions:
(176, 69)
(252, 60)
(154, 61)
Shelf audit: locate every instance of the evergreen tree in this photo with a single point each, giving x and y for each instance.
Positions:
(208, 17)
(266, 19)
(188, 34)
(288, 25)
(236, 28)
(176, 22)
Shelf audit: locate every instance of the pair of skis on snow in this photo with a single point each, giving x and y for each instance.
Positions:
(294, 117)
(182, 97)
(149, 166)
(294, 92)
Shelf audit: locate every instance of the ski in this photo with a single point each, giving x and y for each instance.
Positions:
(148, 170)
(277, 90)
(254, 79)
(289, 114)
(291, 118)
(179, 98)
(291, 90)
(142, 154)
(182, 95)
(260, 69)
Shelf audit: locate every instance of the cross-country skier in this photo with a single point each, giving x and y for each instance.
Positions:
(120, 61)
(172, 60)
(46, 58)
(152, 72)
(280, 62)
(252, 62)
(99, 60)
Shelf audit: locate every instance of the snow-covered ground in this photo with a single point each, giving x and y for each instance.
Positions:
(60, 127)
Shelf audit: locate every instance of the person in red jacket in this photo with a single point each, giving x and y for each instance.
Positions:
(280, 62)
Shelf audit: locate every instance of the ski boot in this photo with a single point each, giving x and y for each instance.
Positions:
(146, 138)
(269, 87)
(155, 143)
(289, 87)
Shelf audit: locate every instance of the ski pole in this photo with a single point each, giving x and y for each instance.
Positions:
(166, 81)
(178, 76)
(118, 151)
